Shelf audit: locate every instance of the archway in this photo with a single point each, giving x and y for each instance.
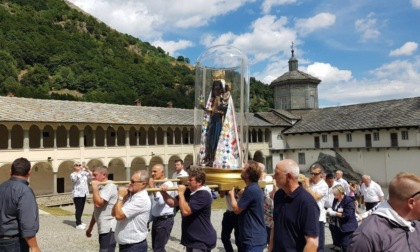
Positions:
(64, 183)
(133, 136)
(42, 179)
(88, 136)
(159, 136)
(259, 157)
(100, 136)
(17, 137)
(34, 137)
(116, 169)
(188, 160)
(5, 172)
(142, 136)
(4, 139)
(121, 136)
(137, 164)
(48, 137)
(74, 136)
(61, 136)
(171, 165)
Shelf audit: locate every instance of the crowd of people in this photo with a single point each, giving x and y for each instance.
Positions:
(289, 215)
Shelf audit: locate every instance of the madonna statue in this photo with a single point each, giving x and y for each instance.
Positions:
(219, 145)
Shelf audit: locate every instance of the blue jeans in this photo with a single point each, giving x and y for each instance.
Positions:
(135, 247)
(107, 242)
(254, 248)
(14, 244)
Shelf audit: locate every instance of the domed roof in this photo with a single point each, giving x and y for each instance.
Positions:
(294, 75)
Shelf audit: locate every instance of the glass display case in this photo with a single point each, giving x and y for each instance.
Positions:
(221, 108)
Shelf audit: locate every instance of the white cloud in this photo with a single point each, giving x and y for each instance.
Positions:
(319, 21)
(407, 49)
(150, 19)
(367, 27)
(415, 4)
(268, 37)
(328, 73)
(172, 46)
(394, 80)
(268, 4)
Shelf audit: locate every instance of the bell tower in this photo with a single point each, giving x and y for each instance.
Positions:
(295, 91)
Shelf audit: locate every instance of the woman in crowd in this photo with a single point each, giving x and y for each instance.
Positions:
(344, 217)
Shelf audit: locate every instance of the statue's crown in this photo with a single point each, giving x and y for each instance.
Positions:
(218, 74)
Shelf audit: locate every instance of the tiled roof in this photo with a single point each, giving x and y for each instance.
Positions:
(296, 75)
(273, 119)
(286, 114)
(15, 109)
(375, 115)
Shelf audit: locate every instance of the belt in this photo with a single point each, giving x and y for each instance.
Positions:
(164, 217)
(8, 237)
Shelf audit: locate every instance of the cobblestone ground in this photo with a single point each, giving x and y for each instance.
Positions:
(57, 233)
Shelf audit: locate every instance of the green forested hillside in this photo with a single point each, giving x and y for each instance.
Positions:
(47, 48)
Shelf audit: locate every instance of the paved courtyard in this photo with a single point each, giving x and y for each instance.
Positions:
(57, 233)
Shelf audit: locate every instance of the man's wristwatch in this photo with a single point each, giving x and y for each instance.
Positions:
(120, 198)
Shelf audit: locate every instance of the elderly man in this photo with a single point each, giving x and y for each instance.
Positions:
(296, 213)
(19, 222)
(339, 179)
(162, 214)
(394, 225)
(250, 207)
(372, 192)
(197, 232)
(132, 212)
(104, 199)
(318, 188)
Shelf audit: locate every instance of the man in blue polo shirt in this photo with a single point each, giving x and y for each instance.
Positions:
(250, 207)
(296, 213)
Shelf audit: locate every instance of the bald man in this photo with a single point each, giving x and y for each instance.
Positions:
(372, 192)
(296, 213)
(394, 225)
(163, 215)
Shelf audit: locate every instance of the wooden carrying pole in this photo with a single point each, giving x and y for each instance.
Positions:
(221, 186)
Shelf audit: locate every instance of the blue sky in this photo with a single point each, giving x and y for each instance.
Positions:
(362, 50)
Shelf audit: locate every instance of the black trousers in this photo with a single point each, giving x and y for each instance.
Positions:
(161, 230)
(370, 205)
(229, 224)
(79, 204)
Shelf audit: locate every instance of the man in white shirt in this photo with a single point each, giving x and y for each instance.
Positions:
(372, 192)
(132, 212)
(179, 170)
(162, 214)
(318, 188)
(104, 199)
(339, 179)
